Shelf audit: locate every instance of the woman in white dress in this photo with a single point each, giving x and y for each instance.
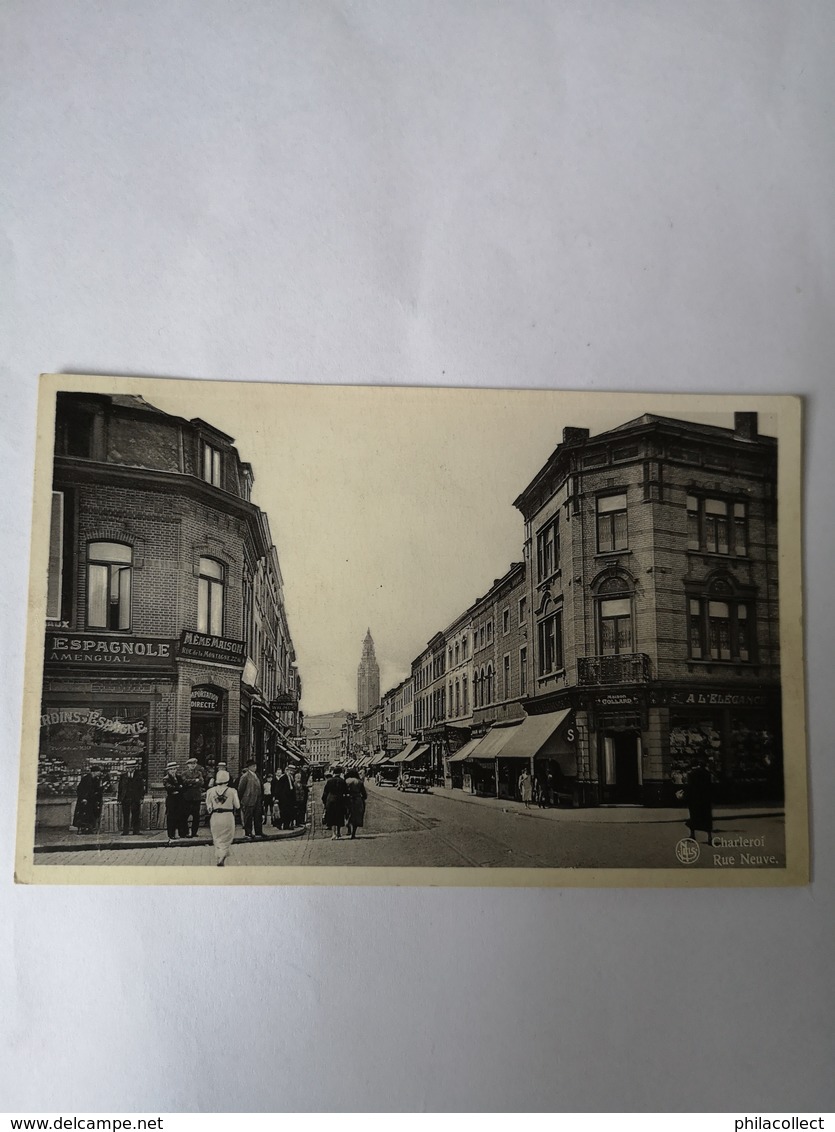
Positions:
(222, 803)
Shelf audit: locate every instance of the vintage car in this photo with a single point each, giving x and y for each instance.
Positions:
(417, 780)
(387, 776)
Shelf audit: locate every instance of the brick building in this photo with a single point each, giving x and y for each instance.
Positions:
(166, 634)
(653, 607)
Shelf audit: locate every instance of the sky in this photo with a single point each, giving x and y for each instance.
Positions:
(391, 509)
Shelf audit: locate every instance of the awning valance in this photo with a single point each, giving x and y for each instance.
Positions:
(545, 736)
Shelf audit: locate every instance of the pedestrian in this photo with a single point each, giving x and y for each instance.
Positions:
(130, 794)
(251, 796)
(192, 797)
(267, 786)
(285, 792)
(335, 797)
(300, 796)
(526, 787)
(698, 795)
(173, 785)
(222, 803)
(357, 796)
(89, 797)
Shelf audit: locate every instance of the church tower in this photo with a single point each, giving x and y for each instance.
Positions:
(368, 678)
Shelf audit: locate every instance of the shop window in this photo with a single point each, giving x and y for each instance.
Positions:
(211, 464)
(611, 523)
(548, 550)
(523, 671)
(109, 566)
(717, 526)
(210, 587)
(550, 644)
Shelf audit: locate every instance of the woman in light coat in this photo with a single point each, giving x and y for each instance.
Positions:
(222, 803)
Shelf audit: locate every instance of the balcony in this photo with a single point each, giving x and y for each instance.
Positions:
(625, 668)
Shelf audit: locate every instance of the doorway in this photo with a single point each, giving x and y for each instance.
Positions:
(206, 733)
(623, 779)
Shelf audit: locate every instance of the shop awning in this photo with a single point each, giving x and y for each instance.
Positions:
(544, 737)
(413, 756)
(402, 756)
(493, 744)
(463, 753)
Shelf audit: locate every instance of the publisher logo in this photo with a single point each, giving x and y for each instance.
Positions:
(688, 851)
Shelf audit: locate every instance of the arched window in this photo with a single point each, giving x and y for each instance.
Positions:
(109, 567)
(477, 690)
(489, 681)
(614, 616)
(464, 701)
(210, 587)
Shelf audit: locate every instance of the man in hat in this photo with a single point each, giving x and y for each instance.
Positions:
(130, 795)
(285, 793)
(192, 797)
(172, 783)
(251, 795)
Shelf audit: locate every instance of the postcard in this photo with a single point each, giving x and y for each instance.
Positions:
(297, 634)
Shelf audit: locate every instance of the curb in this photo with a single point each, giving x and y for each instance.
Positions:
(180, 843)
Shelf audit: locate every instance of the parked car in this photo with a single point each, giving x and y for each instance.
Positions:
(417, 780)
(387, 776)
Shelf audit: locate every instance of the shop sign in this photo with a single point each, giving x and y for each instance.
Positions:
(217, 650)
(284, 703)
(722, 698)
(616, 699)
(204, 699)
(101, 650)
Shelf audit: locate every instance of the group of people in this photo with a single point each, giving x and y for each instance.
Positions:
(89, 798)
(344, 800)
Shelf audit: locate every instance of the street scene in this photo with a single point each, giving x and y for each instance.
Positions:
(612, 699)
(439, 830)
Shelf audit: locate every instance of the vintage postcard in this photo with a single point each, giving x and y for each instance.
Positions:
(286, 634)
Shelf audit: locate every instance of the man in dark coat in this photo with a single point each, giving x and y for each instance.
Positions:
(175, 819)
(131, 793)
(285, 793)
(192, 797)
(698, 795)
(251, 795)
(89, 799)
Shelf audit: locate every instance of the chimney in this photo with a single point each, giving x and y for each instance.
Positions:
(745, 425)
(574, 435)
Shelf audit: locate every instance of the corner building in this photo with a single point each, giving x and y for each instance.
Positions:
(166, 634)
(652, 603)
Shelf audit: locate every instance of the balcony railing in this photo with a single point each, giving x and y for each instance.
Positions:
(625, 668)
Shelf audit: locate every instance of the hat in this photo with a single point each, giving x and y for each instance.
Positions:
(192, 759)
(168, 766)
(252, 762)
(221, 778)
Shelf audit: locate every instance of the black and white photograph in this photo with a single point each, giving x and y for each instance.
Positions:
(537, 634)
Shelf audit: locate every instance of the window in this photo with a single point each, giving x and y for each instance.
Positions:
(506, 678)
(481, 636)
(717, 526)
(108, 585)
(719, 630)
(488, 685)
(457, 654)
(615, 625)
(465, 646)
(477, 690)
(211, 465)
(523, 672)
(505, 621)
(611, 523)
(489, 631)
(449, 658)
(550, 644)
(56, 558)
(523, 610)
(210, 598)
(464, 701)
(457, 697)
(548, 550)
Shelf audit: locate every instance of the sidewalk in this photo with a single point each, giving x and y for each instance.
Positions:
(61, 840)
(619, 815)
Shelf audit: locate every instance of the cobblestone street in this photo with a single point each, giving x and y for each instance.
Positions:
(446, 828)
